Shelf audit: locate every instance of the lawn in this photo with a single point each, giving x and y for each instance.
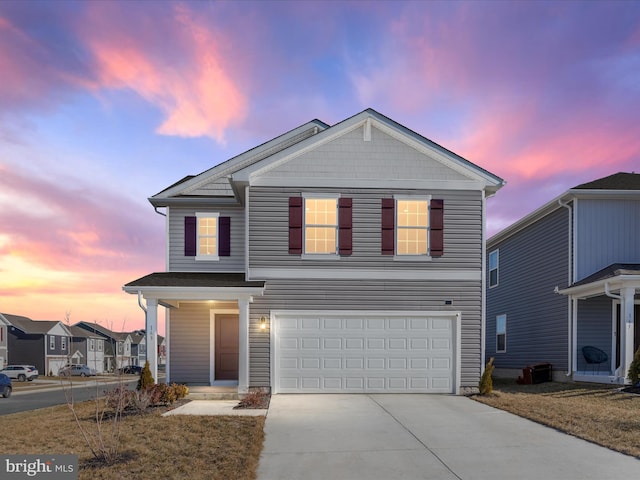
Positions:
(598, 413)
(152, 446)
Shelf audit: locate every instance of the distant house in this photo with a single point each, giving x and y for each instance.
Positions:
(138, 348)
(564, 282)
(117, 345)
(330, 259)
(4, 325)
(46, 344)
(162, 350)
(87, 348)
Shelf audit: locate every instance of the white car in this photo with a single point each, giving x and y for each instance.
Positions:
(21, 372)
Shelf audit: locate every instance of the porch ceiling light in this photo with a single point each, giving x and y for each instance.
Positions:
(263, 323)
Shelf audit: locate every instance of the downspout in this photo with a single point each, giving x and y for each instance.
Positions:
(159, 213)
(570, 306)
(144, 309)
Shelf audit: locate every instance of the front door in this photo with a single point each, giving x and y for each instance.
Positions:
(226, 347)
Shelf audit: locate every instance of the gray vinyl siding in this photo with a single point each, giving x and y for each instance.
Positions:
(370, 295)
(268, 248)
(189, 334)
(597, 247)
(594, 328)
(28, 350)
(177, 260)
(269, 234)
(532, 263)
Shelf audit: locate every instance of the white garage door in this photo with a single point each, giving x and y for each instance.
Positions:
(362, 352)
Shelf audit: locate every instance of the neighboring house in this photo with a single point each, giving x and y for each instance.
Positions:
(4, 342)
(345, 258)
(138, 348)
(87, 348)
(45, 344)
(586, 245)
(162, 350)
(116, 345)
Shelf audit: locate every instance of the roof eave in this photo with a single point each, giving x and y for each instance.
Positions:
(194, 293)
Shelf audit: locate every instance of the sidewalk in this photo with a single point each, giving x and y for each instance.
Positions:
(50, 384)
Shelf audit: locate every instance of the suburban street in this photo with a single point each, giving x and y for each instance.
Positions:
(22, 401)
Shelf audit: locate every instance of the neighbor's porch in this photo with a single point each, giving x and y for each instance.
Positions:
(605, 325)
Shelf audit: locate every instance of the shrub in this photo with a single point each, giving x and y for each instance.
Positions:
(634, 369)
(141, 400)
(181, 391)
(146, 379)
(486, 382)
(254, 399)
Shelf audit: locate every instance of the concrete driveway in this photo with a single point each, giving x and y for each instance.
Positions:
(436, 437)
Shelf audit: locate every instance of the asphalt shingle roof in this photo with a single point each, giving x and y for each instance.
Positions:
(194, 279)
(617, 181)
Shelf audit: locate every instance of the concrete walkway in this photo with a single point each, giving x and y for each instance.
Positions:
(436, 437)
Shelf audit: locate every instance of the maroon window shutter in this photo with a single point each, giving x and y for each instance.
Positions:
(388, 226)
(224, 236)
(345, 221)
(295, 225)
(436, 234)
(190, 226)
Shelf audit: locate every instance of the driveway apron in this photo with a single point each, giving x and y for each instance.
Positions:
(411, 436)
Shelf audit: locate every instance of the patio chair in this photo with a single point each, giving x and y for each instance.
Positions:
(594, 357)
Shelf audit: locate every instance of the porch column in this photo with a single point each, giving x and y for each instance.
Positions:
(152, 336)
(243, 345)
(626, 355)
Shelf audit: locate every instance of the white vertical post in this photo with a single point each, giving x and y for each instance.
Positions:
(627, 329)
(243, 346)
(152, 336)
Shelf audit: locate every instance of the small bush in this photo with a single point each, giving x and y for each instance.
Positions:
(634, 369)
(146, 379)
(486, 382)
(141, 400)
(181, 391)
(118, 399)
(254, 399)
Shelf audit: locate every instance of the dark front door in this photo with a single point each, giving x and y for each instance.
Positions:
(226, 347)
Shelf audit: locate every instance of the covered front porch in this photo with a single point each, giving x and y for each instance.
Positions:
(207, 326)
(605, 324)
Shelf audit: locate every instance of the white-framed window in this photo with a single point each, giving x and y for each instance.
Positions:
(100, 347)
(63, 343)
(320, 225)
(92, 344)
(207, 236)
(412, 226)
(501, 333)
(52, 342)
(494, 260)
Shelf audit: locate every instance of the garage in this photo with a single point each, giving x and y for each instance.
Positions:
(365, 352)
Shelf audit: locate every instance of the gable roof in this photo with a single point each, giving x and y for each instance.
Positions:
(618, 184)
(100, 330)
(617, 181)
(33, 327)
(231, 176)
(78, 332)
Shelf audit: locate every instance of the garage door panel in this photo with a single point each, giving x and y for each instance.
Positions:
(364, 353)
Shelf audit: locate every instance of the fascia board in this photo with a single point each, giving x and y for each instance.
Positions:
(188, 201)
(401, 184)
(229, 166)
(598, 287)
(195, 293)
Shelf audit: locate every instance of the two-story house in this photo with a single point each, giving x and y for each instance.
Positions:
(45, 344)
(138, 347)
(344, 258)
(87, 348)
(563, 283)
(116, 346)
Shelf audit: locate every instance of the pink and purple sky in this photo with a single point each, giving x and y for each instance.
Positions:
(103, 104)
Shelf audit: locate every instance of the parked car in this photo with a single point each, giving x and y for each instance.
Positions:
(131, 369)
(5, 386)
(76, 371)
(21, 372)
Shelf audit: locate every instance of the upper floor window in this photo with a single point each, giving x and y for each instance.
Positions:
(493, 268)
(412, 227)
(320, 225)
(99, 345)
(92, 344)
(501, 333)
(52, 342)
(207, 236)
(63, 343)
